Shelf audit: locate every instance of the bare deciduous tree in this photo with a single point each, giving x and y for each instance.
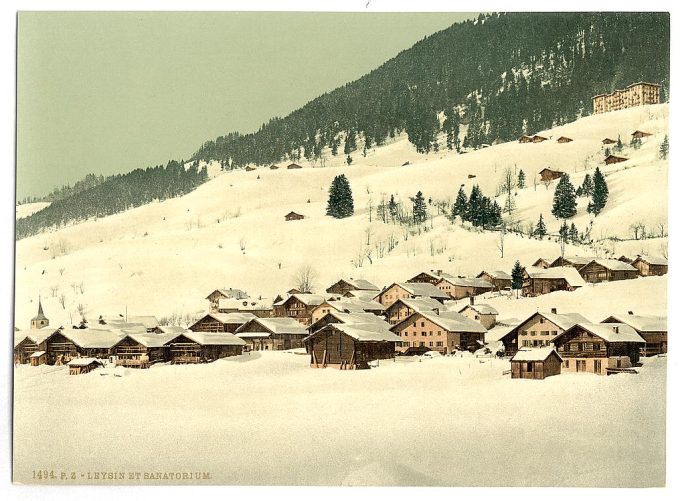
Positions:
(304, 278)
(500, 243)
(62, 300)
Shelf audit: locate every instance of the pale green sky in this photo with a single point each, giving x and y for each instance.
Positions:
(111, 92)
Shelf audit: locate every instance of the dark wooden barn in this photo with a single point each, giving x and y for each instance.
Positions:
(201, 347)
(535, 363)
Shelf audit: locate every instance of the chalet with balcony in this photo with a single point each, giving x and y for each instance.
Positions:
(261, 334)
(445, 332)
(221, 322)
(654, 330)
(410, 290)
(201, 347)
(343, 286)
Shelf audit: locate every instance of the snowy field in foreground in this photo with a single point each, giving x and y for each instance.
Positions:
(267, 418)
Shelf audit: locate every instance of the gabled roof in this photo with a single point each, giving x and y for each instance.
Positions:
(498, 274)
(277, 325)
(548, 169)
(421, 289)
(614, 157)
(479, 283)
(150, 340)
(244, 304)
(93, 338)
(171, 329)
(577, 260)
(309, 299)
(641, 323)
(568, 273)
(640, 133)
(228, 318)
(653, 260)
(482, 309)
(148, 321)
(237, 293)
(534, 354)
(358, 284)
(354, 305)
(291, 213)
(351, 318)
(36, 336)
(361, 332)
(419, 303)
(83, 362)
(613, 264)
(448, 320)
(211, 338)
(363, 295)
(607, 332)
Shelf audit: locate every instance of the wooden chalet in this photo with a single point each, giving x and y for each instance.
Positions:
(547, 174)
(262, 334)
(67, 344)
(149, 323)
(539, 281)
(638, 134)
(445, 332)
(31, 341)
(294, 166)
(482, 313)
(201, 347)
(293, 216)
(577, 262)
(650, 265)
(428, 277)
(343, 286)
(538, 139)
(300, 306)
(337, 317)
(259, 307)
(82, 365)
(215, 296)
(607, 140)
(535, 363)
(347, 305)
(607, 270)
(249, 168)
(541, 263)
(613, 159)
(498, 279)
(273, 167)
(599, 348)
(350, 346)
(539, 329)
(403, 308)
(526, 139)
(221, 322)
(464, 287)
(406, 290)
(564, 139)
(142, 350)
(653, 330)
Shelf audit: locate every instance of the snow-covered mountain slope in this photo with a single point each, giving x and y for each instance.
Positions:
(165, 257)
(25, 210)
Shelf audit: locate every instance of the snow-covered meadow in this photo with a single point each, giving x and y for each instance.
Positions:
(267, 418)
(164, 258)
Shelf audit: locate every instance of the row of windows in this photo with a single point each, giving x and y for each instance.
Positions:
(423, 333)
(543, 333)
(438, 344)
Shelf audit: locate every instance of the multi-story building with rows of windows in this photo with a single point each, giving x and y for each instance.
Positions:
(635, 94)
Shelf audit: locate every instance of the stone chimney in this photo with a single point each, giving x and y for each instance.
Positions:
(553, 310)
(436, 311)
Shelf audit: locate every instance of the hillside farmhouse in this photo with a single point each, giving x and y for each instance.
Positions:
(343, 286)
(539, 281)
(445, 332)
(498, 279)
(547, 174)
(406, 290)
(607, 270)
(650, 265)
(653, 330)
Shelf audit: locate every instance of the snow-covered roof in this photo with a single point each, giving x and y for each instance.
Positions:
(568, 273)
(448, 320)
(420, 303)
(93, 338)
(653, 260)
(641, 323)
(613, 264)
(480, 283)
(354, 305)
(562, 320)
(499, 274)
(237, 293)
(534, 354)
(363, 295)
(249, 335)
(230, 318)
(482, 309)
(278, 325)
(612, 332)
(148, 321)
(422, 289)
(361, 332)
(150, 340)
(351, 318)
(83, 362)
(36, 336)
(211, 338)
(37, 354)
(497, 333)
(359, 284)
(171, 329)
(577, 260)
(312, 299)
(244, 304)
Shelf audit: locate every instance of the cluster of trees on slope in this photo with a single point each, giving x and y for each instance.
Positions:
(65, 191)
(116, 194)
(501, 75)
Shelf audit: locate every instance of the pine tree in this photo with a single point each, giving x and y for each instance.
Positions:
(600, 193)
(517, 276)
(419, 208)
(619, 144)
(564, 231)
(564, 201)
(586, 188)
(573, 234)
(475, 202)
(392, 208)
(460, 206)
(349, 160)
(663, 149)
(340, 202)
(635, 143)
(540, 230)
(521, 179)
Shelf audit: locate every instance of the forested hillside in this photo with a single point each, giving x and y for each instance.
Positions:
(116, 194)
(500, 76)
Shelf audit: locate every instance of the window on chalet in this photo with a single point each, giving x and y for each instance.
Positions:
(530, 366)
(440, 343)
(414, 324)
(597, 366)
(596, 346)
(423, 333)
(533, 333)
(430, 333)
(439, 333)
(525, 333)
(541, 320)
(545, 333)
(566, 364)
(422, 324)
(431, 344)
(554, 333)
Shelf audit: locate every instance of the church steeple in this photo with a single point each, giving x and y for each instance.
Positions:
(40, 320)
